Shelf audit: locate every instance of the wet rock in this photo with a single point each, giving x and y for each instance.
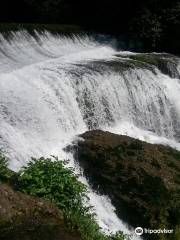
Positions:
(142, 179)
(23, 217)
(166, 63)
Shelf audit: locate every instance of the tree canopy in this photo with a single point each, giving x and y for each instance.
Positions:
(155, 22)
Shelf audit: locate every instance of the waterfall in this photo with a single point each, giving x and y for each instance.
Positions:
(54, 87)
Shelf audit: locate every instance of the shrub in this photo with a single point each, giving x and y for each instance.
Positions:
(3, 164)
(119, 236)
(5, 173)
(52, 180)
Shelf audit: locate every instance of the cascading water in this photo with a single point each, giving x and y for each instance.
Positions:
(53, 88)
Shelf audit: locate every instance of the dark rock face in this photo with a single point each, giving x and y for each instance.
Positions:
(23, 217)
(141, 179)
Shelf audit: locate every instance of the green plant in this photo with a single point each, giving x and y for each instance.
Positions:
(52, 180)
(149, 27)
(5, 173)
(119, 236)
(3, 164)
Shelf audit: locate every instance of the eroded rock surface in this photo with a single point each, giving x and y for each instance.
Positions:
(23, 217)
(142, 179)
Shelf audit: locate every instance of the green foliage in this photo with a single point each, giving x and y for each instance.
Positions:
(146, 58)
(151, 28)
(177, 232)
(3, 165)
(155, 21)
(150, 24)
(5, 173)
(52, 180)
(119, 236)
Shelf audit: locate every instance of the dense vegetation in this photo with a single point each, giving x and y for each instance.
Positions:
(52, 180)
(5, 173)
(154, 23)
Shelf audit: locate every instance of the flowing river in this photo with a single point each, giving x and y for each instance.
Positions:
(54, 87)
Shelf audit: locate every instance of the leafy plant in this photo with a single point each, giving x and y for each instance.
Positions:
(5, 173)
(119, 236)
(52, 180)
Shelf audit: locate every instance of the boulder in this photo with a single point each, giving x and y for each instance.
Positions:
(141, 179)
(23, 217)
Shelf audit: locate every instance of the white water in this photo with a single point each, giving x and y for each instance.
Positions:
(55, 88)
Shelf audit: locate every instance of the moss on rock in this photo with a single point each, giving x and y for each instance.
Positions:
(166, 63)
(141, 179)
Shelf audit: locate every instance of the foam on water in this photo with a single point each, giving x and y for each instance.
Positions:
(53, 88)
(128, 129)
